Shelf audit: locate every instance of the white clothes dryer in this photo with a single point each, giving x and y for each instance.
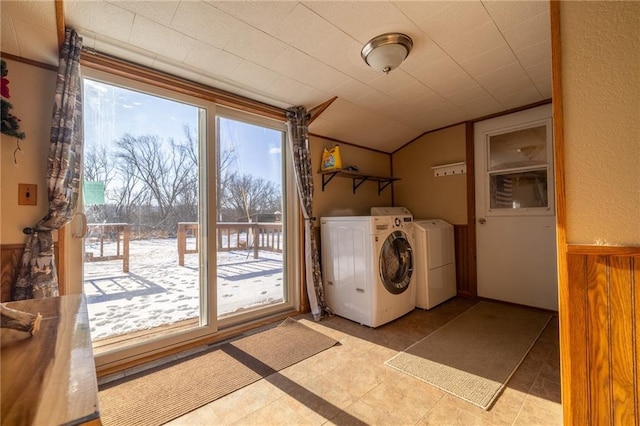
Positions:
(367, 265)
(435, 262)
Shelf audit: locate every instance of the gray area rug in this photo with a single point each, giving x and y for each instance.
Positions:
(474, 355)
(167, 392)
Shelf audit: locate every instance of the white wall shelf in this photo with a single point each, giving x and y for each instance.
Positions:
(450, 169)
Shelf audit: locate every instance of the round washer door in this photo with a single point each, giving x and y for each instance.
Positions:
(396, 262)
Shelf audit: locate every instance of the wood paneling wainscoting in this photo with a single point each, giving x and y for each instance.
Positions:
(603, 349)
(10, 257)
(465, 262)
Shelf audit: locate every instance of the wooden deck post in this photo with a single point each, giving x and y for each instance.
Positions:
(182, 243)
(126, 231)
(256, 240)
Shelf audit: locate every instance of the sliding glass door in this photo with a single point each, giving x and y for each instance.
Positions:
(251, 239)
(189, 218)
(142, 189)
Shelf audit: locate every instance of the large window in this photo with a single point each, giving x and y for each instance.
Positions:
(188, 217)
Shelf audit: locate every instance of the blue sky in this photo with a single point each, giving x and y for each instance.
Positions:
(259, 150)
(110, 112)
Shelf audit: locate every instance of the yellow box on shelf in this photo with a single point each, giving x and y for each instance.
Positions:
(331, 159)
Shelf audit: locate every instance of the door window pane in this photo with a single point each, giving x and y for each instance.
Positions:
(520, 148)
(518, 169)
(519, 190)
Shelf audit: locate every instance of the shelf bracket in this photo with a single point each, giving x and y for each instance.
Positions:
(382, 185)
(359, 182)
(326, 178)
(357, 179)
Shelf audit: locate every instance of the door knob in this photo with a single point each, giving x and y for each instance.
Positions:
(482, 221)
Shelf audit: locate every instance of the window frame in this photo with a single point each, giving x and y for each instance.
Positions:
(212, 102)
(290, 208)
(548, 167)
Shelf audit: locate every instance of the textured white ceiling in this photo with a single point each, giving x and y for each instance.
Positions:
(470, 58)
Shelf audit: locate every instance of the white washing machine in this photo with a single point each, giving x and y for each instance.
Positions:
(435, 262)
(367, 266)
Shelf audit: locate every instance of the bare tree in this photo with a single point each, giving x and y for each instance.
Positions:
(225, 173)
(166, 170)
(155, 183)
(129, 195)
(224, 177)
(248, 195)
(191, 144)
(99, 165)
(187, 209)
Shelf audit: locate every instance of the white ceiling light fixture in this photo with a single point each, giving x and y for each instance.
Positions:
(387, 51)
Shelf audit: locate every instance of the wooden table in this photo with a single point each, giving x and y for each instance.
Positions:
(49, 378)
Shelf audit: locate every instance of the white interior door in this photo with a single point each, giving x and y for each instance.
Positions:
(515, 212)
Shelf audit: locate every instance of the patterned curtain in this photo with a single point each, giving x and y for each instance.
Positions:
(298, 135)
(38, 276)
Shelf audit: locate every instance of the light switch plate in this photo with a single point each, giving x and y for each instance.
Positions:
(27, 194)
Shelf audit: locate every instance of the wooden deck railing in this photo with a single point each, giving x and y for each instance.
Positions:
(233, 236)
(121, 232)
(187, 230)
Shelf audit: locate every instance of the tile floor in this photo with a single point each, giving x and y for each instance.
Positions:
(349, 384)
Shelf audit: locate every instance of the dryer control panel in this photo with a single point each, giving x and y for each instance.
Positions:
(400, 221)
(395, 217)
(383, 223)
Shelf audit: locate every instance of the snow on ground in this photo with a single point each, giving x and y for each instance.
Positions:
(157, 291)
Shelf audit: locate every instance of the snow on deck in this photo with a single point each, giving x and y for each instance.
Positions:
(157, 291)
